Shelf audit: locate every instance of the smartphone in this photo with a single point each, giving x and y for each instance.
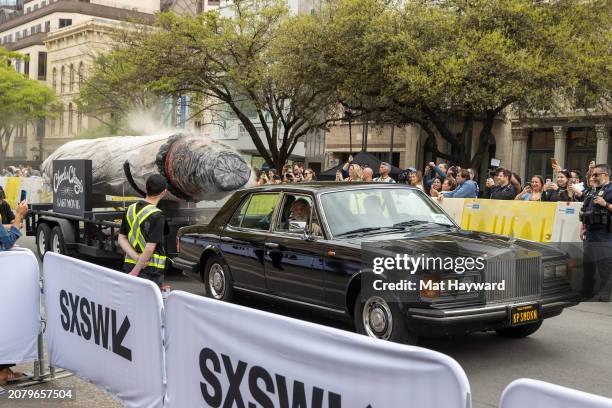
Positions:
(23, 195)
(548, 180)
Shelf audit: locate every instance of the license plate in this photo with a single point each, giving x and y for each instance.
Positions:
(524, 314)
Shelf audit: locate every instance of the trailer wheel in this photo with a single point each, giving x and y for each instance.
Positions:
(43, 239)
(57, 241)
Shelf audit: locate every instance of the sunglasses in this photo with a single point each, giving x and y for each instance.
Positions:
(597, 174)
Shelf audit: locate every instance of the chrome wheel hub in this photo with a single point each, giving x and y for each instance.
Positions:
(216, 281)
(377, 318)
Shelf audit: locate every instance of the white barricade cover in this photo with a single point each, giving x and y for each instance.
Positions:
(219, 354)
(566, 227)
(106, 327)
(527, 393)
(20, 311)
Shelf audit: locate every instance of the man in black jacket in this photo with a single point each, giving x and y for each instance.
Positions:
(503, 190)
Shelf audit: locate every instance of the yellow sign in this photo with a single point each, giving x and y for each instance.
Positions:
(522, 219)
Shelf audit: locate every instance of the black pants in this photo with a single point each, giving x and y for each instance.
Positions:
(597, 261)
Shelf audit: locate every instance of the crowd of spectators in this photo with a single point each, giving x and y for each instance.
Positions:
(20, 171)
(449, 181)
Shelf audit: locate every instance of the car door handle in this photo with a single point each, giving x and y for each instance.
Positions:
(227, 239)
(272, 245)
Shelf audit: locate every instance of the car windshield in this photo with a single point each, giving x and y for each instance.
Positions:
(379, 209)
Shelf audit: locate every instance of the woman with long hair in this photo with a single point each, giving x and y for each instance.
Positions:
(558, 191)
(416, 179)
(355, 172)
(533, 191)
(436, 187)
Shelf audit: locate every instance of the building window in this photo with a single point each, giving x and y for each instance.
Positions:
(71, 86)
(79, 121)
(18, 65)
(63, 80)
(70, 117)
(43, 4)
(36, 7)
(81, 74)
(581, 148)
(54, 79)
(26, 65)
(42, 66)
(540, 152)
(61, 122)
(65, 22)
(47, 26)
(25, 32)
(29, 10)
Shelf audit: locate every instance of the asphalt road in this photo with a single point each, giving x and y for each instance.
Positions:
(573, 350)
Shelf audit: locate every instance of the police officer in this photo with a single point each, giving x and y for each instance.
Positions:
(596, 232)
(142, 234)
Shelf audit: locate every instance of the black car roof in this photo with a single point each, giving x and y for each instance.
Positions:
(322, 186)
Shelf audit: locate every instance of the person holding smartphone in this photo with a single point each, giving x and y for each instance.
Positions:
(558, 191)
(6, 214)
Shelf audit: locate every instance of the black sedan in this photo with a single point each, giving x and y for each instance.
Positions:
(314, 244)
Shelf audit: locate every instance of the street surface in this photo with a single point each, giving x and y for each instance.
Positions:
(573, 350)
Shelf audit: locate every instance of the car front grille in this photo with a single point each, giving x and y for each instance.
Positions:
(521, 271)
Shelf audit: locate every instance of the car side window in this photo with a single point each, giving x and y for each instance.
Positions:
(256, 212)
(299, 207)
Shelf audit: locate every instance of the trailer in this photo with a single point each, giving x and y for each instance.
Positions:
(84, 225)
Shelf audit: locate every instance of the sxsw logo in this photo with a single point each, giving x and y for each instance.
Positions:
(266, 390)
(94, 322)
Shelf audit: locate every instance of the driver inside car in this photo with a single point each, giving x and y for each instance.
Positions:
(300, 211)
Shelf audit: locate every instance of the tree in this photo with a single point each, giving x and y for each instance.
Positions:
(235, 59)
(439, 63)
(114, 89)
(22, 100)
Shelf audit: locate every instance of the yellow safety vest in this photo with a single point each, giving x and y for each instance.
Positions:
(135, 237)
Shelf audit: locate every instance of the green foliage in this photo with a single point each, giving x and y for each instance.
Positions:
(435, 63)
(115, 88)
(22, 101)
(235, 61)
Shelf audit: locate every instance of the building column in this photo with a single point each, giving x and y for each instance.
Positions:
(603, 138)
(560, 144)
(519, 151)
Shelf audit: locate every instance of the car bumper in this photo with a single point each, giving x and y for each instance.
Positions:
(481, 317)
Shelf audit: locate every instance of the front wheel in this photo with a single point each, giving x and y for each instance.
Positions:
(519, 332)
(218, 279)
(377, 318)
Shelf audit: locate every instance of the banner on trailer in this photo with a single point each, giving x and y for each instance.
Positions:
(527, 393)
(20, 311)
(219, 354)
(106, 327)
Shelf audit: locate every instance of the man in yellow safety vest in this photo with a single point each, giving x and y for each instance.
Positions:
(142, 234)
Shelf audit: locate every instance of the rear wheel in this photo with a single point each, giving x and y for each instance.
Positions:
(519, 332)
(377, 318)
(43, 239)
(218, 279)
(57, 241)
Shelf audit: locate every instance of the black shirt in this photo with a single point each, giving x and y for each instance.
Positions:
(500, 193)
(154, 228)
(6, 213)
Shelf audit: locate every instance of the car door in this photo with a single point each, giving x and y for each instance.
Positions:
(242, 240)
(293, 264)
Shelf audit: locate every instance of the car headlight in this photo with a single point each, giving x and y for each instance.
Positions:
(549, 271)
(561, 271)
(556, 271)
